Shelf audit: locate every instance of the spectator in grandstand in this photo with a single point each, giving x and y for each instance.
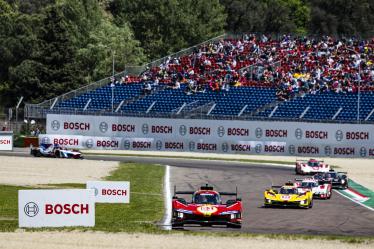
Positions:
(147, 88)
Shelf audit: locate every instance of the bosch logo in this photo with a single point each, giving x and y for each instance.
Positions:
(191, 146)
(225, 147)
(298, 133)
(145, 129)
(96, 191)
(363, 152)
(221, 131)
(339, 135)
(55, 125)
(89, 143)
(328, 150)
(103, 127)
(182, 130)
(291, 149)
(46, 140)
(127, 144)
(258, 148)
(158, 145)
(258, 132)
(31, 209)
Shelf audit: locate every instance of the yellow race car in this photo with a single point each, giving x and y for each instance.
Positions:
(288, 195)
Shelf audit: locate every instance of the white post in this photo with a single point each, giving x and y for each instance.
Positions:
(112, 86)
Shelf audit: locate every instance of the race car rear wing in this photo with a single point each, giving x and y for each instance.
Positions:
(342, 173)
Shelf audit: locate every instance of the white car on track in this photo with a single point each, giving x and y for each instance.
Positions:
(320, 188)
(312, 166)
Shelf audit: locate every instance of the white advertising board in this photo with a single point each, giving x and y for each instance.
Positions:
(110, 191)
(56, 208)
(214, 136)
(6, 140)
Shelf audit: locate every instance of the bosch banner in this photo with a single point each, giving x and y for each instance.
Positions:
(56, 208)
(223, 136)
(110, 191)
(6, 140)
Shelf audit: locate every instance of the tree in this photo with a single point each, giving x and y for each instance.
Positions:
(349, 17)
(164, 26)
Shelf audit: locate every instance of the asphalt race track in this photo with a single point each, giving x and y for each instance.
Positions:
(337, 216)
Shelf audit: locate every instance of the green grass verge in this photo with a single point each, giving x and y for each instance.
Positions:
(196, 158)
(145, 209)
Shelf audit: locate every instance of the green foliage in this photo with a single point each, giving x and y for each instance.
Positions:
(145, 209)
(165, 26)
(349, 17)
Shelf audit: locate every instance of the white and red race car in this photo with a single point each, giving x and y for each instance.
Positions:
(312, 166)
(320, 188)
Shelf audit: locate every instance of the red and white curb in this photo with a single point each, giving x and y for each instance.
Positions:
(355, 196)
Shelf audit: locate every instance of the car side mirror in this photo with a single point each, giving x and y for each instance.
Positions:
(181, 200)
(238, 199)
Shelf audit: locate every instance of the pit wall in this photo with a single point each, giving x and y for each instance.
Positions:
(216, 136)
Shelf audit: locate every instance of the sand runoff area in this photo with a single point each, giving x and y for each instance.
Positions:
(29, 171)
(83, 240)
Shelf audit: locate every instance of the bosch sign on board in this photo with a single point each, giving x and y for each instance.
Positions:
(110, 191)
(56, 208)
(6, 140)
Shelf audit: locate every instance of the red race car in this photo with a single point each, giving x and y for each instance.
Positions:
(206, 208)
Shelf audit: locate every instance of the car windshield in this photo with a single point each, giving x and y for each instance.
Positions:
(313, 164)
(308, 184)
(207, 198)
(288, 191)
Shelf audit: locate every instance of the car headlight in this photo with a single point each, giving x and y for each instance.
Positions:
(180, 215)
(342, 181)
(268, 200)
(232, 216)
(303, 202)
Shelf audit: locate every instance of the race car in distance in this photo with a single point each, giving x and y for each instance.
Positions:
(288, 195)
(311, 166)
(320, 188)
(206, 208)
(338, 179)
(50, 150)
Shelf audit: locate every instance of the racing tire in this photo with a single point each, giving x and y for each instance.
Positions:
(37, 154)
(174, 225)
(57, 154)
(311, 204)
(329, 195)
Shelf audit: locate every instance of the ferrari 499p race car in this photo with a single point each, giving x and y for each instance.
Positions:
(206, 208)
(288, 195)
(338, 179)
(50, 150)
(320, 188)
(311, 166)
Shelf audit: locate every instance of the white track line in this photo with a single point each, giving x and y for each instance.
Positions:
(167, 218)
(372, 209)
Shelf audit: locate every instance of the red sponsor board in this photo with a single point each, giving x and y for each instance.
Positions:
(199, 131)
(275, 133)
(80, 126)
(129, 128)
(237, 132)
(307, 150)
(66, 209)
(174, 145)
(316, 134)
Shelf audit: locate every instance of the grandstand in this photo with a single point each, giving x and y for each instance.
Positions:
(244, 77)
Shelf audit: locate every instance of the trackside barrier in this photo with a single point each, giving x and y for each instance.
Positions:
(6, 140)
(110, 191)
(218, 136)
